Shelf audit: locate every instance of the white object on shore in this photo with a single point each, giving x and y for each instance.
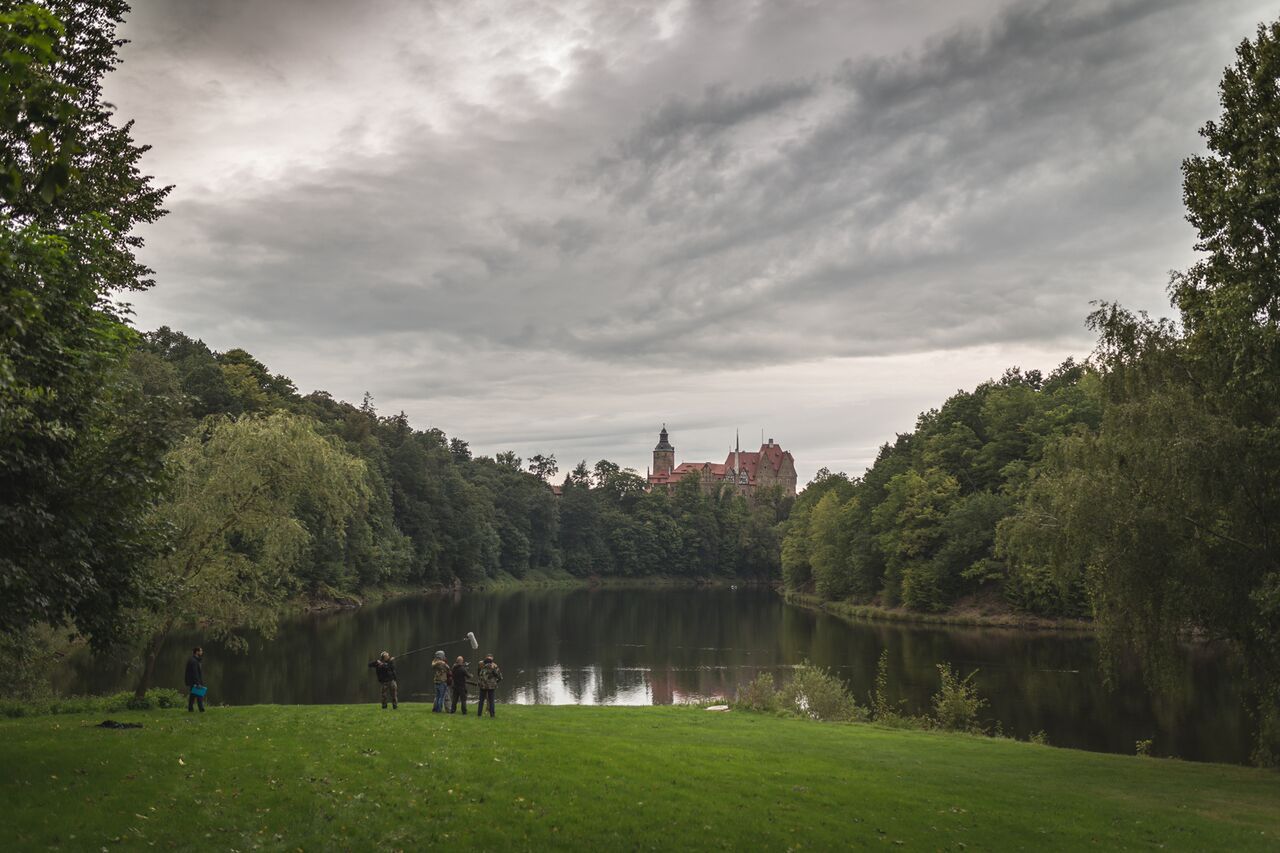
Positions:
(718, 708)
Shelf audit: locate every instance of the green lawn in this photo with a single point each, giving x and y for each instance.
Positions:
(357, 777)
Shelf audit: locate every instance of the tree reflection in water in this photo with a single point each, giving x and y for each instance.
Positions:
(661, 645)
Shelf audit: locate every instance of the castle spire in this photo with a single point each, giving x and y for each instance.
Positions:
(664, 455)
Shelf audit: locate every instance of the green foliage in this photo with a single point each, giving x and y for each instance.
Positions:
(26, 656)
(919, 528)
(80, 451)
(956, 705)
(1167, 512)
(759, 694)
(816, 694)
(800, 532)
(157, 698)
(882, 710)
(232, 512)
(1142, 748)
(437, 514)
(38, 121)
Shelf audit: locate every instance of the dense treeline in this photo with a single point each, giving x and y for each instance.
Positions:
(1143, 489)
(431, 513)
(918, 529)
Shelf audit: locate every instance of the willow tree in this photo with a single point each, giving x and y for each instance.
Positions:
(232, 515)
(1171, 510)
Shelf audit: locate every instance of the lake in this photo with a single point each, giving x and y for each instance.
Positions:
(656, 645)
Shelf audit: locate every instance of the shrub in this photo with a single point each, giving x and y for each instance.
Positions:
(887, 713)
(881, 709)
(157, 698)
(1039, 738)
(819, 695)
(956, 704)
(759, 694)
(1143, 748)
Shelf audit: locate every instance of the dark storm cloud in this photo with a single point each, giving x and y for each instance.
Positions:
(936, 190)
(479, 199)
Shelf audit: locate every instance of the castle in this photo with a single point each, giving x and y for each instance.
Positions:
(768, 466)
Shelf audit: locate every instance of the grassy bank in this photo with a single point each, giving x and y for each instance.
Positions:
(356, 777)
(961, 616)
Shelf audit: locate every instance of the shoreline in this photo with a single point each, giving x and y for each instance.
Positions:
(335, 600)
(951, 619)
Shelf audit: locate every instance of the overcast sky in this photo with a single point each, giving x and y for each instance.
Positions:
(553, 226)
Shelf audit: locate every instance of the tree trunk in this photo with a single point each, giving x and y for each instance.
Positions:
(149, 665)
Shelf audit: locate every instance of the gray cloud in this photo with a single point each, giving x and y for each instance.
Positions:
(543, 209)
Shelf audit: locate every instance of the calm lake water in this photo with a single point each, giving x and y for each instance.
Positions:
(657, 646)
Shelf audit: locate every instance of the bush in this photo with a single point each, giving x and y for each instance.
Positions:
(1039, 738)
(956, 704)
(758, 695)
(819, 695)
(157, 698)
(881, 709)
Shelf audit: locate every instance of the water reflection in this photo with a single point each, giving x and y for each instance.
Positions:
(658, 646)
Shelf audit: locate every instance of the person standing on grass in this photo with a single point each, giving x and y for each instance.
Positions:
(195, 678)
(385, 667)
(440, 670)
(460, 678)
(488, 677)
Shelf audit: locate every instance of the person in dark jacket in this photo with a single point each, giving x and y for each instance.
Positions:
(460, 678)
(195, 678)
(385, 666)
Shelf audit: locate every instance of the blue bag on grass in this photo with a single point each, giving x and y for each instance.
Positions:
(199, 690)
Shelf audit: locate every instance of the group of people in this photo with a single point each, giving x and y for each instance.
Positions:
(448, 680)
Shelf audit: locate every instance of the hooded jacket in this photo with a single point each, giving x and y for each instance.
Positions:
(195, 672)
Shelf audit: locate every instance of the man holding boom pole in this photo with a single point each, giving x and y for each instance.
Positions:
(385, 667)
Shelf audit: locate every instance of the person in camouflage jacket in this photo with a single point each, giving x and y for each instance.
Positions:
(442, 675)
(488, 677)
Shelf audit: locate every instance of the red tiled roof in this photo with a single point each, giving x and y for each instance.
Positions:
(771, 455)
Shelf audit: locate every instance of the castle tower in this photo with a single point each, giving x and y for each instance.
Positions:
(664, 455)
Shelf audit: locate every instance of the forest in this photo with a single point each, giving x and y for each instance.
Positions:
(424, 510)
